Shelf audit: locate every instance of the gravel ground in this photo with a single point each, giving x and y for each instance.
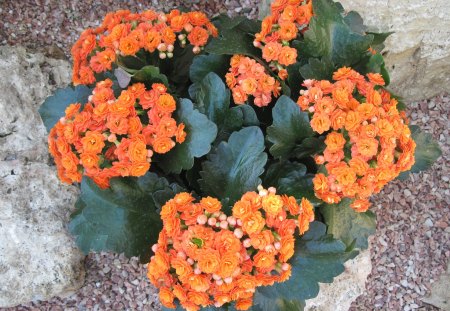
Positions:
(412, 243)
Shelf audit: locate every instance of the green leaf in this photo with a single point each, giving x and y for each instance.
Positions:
(123, 218)
(329, 35)
(347, 225)
(309, 146)
(376, 64)
(427, 151)
(235, 37)
(235, 166)
(318, 258)
(264, 303)
(290, 126)
(54, 106)
(298, 184)
(281, 169)
(204, 64)
(318, 69)
(378, 40)
(150, 75)
(200, 134)
(213, 99)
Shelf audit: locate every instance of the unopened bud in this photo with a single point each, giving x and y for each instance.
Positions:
(190, 261)
(277, 245)
(263, 193)
(169, 55)
(181, 255)
(112, 138)
(222, 217)
(272, 190)
(162, 55)
(219, 282)
(285, 267)
(197, 271)
(224, 224)
(162, 47)
(202, 219)
(154, 248)
(196, 49)
(232, 221)
(311, 109)
(228, 280)
(239, 222)
(170, 48)
(212, 221)
(188, 27)
(238, 233)
(247, 243)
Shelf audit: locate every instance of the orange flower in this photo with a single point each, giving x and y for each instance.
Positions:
(93, 142)
(166, 103)
(335, 141)
(129, 45)
(271, 51)
(166, 297)
(288, 56)
(320, 123)
(209, 261)
(163, 145)
(287, 31)
(264, 259)
(253, 223)
(211, 205)
(198, 36)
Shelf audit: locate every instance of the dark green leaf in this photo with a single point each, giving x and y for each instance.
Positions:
(298, 184)
(427, 151)
(318, 258)
(309, 146)
(123, 218)
(235, 166)
(249, 115)
(378, 40)
(355, 22)
(54, 106)
(200, 134)
(329, 35)
(204, 64)
(150, 74)
(376, 64)
(234, 37)
(294, 79)
(347, 225)
(281, 169)
(290, 126)
(318, 69)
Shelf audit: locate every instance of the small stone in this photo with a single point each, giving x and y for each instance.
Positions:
(429, 223)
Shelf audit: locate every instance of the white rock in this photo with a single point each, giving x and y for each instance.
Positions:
(418, 53)
(339, 295)
(39, 258)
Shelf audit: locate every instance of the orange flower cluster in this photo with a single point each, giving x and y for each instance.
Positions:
(369, 143)
(205, 258)
(111, 137)
(287, 18)
(124, 33)
(247, 77)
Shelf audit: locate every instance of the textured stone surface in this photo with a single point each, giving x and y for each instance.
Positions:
(339, 295)
(440, 294)
(418, 53)
(38, 258)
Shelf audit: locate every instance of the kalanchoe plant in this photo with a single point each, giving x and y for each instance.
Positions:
(269, 126)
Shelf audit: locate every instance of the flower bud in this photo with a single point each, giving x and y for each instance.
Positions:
(154, 248)
(277, 245)
(238, 233)
(222, 217)
(239, 222)
(216, 277)
(272, 190)
(181, 255)
(212, 221)
(202, 219)
(224, 224)
(232, 221)
(169, 55)
(228, 280)
(196, 49)
(112, 138)
(285, 267)
(162, 55)
(188, 27)
(219, 282)
(190, 261)
(162, 47)
(170, 48)
(197, 271)
(247, 243)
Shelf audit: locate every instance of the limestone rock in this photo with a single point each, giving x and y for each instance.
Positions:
(418, 53)
(39, 259)
(440, 295)
(339, 295)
